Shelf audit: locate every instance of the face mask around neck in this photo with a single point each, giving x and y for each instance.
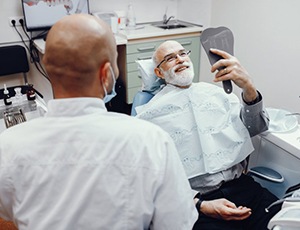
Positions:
(108, 97)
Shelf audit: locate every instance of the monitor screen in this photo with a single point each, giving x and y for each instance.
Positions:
(42, 14)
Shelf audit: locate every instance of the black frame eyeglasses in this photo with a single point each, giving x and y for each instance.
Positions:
(173, 56)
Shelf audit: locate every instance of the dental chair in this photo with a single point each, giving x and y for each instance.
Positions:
(151, 84)
(141, 98)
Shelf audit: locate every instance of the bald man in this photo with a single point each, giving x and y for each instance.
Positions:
(80, 166)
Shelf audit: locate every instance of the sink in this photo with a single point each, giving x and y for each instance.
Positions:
(173, 24)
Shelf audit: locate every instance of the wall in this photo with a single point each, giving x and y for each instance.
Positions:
(145, 10)
(9, 36)
(267, 43)
(195, 11)
(266, 38)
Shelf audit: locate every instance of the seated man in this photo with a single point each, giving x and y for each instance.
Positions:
(212, 130)
(81, 167)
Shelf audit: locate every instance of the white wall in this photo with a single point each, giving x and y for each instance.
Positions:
(267, 42)
(195, 11)
(9, 36)
(145, 10)
(266, 38)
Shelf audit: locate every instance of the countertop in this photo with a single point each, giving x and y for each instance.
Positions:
(147, 30)
(40, 43)
(141, 31)
(289, 141)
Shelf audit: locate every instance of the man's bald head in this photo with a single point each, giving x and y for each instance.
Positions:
(77, 47)
(164, 49)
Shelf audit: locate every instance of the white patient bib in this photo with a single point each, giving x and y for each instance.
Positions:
(205, 125)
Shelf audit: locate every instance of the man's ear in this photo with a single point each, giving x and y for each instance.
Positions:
(104, 72)
(158, 73)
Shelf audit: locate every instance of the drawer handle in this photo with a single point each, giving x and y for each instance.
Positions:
(186, 43)
(146, 48)
(144, 58)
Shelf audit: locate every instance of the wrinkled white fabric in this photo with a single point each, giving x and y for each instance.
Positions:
(205, 125)
(81, 167)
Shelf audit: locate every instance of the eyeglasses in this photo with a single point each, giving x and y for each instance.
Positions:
(172, 57)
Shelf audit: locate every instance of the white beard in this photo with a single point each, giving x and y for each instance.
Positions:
(184, 78)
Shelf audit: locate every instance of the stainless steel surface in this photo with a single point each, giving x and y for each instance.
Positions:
(172, 24)
(26, 106)
(13, 117)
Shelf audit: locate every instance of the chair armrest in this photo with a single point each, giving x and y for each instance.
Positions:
(267, 174)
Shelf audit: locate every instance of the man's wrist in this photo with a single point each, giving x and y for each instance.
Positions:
(256, 100)
(198, 205)
(199, 201)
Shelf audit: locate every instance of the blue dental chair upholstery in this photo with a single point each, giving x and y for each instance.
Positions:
(150, 84)
(141, 98)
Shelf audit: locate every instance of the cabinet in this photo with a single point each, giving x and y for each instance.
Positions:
(144, 49)
(280, 152)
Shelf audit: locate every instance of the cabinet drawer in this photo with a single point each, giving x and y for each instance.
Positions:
(186, 42)
(139, 56)
(190, 43)
(141, 47)
(132, 67)
(133, 79)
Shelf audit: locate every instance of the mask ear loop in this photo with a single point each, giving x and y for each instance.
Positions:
(107, 97)
(113, 76)
(104, 89)
(105, 92)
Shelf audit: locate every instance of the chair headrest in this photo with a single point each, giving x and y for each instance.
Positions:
(150, 82)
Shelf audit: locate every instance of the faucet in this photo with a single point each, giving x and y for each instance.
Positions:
(165, 20)
(165, 17)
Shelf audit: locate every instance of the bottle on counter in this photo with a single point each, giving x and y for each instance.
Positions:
(30, 93)
(18, 95)
(6, 97)
(131, 20)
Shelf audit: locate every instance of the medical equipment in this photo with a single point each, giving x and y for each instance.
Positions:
(41, 14)
(281, 121)
(6, 97)
(288, 218)
(14, 62)
(14, 117)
